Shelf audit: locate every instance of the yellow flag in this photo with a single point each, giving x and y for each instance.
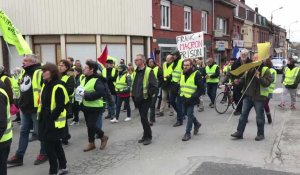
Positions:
(12, 35)
(245, 67)
(263, 50)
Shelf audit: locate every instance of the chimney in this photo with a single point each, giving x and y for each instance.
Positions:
(256, 9)
(243, 1)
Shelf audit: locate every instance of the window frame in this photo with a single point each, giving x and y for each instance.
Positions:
(165, 13)
(187, 19)
(224, 25)
(205, 24)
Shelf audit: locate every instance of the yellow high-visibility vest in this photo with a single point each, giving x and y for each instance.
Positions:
(8, 133)
(188, 87)
(90, 87)
(210, 71)
(290, 76)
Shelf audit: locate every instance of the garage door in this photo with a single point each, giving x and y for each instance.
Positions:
(116, 50)
(81, 52)
(137, 49)
(48, 53)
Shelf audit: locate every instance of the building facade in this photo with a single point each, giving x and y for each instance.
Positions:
(179, 17)
(80, 29)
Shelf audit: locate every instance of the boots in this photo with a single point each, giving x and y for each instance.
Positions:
(89, 147)
(104, 140)
(269, 118)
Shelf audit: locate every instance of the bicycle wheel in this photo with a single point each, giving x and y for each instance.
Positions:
(221, 103)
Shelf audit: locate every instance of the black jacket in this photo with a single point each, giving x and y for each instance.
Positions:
(70, 84)
(3, 117)
(110, 80)
(26, 94)
(47, 130)
(137, 86)
(98, 93)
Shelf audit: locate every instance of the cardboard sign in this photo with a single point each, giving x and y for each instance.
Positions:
(191, 45)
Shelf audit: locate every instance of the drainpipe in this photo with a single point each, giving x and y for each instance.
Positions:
(213, 28)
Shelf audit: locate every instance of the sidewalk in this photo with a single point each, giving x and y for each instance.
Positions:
(286, 148)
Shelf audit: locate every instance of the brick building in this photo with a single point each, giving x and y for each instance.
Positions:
(179, 17)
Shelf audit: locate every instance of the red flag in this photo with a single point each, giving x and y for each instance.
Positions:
(103, 57)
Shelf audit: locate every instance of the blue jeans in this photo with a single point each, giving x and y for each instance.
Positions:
(99, 122)
(212, 91)
(248, 103)
(191, 118)
(26, 121)
(112, 107)
(177, 104)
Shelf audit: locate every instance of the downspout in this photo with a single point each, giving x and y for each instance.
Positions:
(213, 28)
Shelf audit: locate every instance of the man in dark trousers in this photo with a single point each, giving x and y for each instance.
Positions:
(144, 87)
(30, 85)
(5, 129)
(212, 75)
(191, 85)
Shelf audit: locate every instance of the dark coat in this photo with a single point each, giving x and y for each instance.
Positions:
(47, 130)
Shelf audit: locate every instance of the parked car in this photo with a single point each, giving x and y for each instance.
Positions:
(278, 64)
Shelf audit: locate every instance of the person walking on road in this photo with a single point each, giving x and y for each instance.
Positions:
(144, 87)
(52, 117)
(212, 74)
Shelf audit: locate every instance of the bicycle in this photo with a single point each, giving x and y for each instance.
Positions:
(224, 99)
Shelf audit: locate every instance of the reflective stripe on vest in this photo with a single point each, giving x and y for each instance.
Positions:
(36, 86)
(264, 91)
(60, 122)
(290, 76)
(121, 83)
(167, 70)
(188, 87)
(145, 81)
(273, 84)
(65, 78)
(8, 134)
(90, 87)
(155, 71)
(177, 72)
(104, 72)
(210, 71)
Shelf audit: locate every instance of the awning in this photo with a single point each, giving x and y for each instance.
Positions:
(278, 50)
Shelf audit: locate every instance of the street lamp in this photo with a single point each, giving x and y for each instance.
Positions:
(272, 15)
(290, 29)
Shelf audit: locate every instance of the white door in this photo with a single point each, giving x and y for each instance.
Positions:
(137, 49)
(48, 53)
(81, 52)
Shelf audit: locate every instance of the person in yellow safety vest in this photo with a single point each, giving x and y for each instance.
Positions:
(76, 108)
(7, 81)
(191, 85)
(71, 62)
(123, 85)
(290, 80)
(212, 75)
(52, 118)
(175, 101)
(16, 90)
(268, 63)
(111, 74)
(93, 104)
(200, 66)
(68, 80)
(159, 77)
(165, 86)
(144, 87)
(255, 87)
(6, 133)
(30, 85)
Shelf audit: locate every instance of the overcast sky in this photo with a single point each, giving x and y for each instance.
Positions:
(284, 17)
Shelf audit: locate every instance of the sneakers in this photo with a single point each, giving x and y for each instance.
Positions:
(141, 140)
(89, 147)
(147, 141)
(211, 105)
(160, 114)
(269, 118)
(259, 137)
(177, 124)
(107, 117)
(127, 119)
(186, 137)
(196, 128)
(74, 123)
(104, 140)
(15, 161)
(237, 135)
(236, 113)
(200, 109)
(63, 171)
(114, 120)
(293, 107)
(40, 159)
